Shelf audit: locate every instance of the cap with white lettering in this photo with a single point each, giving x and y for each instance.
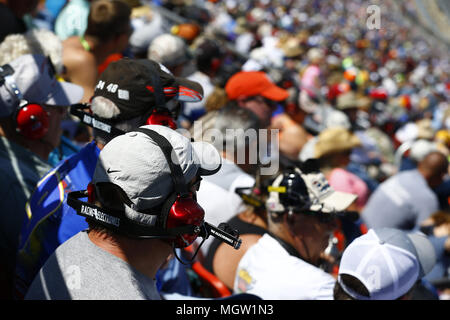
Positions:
(131, 84)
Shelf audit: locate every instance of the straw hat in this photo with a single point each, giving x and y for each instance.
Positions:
(351, 100)
(334, 140)
(292, 47)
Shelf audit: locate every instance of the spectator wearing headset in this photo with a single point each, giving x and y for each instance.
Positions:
(108, 31)
(32, 105)
(126, 97)
(141, 205)
(283, 264)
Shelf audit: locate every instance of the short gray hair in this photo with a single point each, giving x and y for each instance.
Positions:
(240, 122)
(36, 41)
(108, 110)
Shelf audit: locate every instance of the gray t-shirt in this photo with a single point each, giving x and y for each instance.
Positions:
(403, 201)
(80, 270)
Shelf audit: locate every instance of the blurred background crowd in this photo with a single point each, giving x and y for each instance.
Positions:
(368, 90)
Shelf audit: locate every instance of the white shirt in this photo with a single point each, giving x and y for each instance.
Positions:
(270, 272)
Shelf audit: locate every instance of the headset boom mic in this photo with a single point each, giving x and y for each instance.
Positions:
(231, 239)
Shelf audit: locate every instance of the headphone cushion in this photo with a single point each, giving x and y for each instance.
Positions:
(32, 121)
(182, 211)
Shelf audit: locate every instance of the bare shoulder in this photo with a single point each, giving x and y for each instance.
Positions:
(75, 54)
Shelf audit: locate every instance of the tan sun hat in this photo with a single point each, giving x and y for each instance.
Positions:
(351, 100)
(334, 140)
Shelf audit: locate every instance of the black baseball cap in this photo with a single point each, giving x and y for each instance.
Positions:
(133, 85)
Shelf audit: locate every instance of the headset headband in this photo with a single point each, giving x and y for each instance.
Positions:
(167, 149)
(94, 121)
(116, 220)
(6, 72)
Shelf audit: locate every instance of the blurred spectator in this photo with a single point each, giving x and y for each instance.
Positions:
(437, 228)
(302, 211)
(45, 42)
(72, 20)
(333, 149)
(11, 15)
(32, 105)
(292, 136)
(406, 199)
(108, 31)
(171, 51)
(251, 222)
(236, 137)
(208, 56)
(254, 90)
(52, 220)
(36, 41)
(311, 81)
(187, 31)
(147, 25)
(384, 264)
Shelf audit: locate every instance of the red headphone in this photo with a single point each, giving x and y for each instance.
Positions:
(31, 119)
(161, 117)
(181, 208)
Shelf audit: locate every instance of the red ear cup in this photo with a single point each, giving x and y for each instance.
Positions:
(32, 121)
(215, 64)
(185, 211)
(161, 118)
(91, 193)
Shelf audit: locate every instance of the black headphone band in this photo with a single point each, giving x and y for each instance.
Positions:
(115, 220)
(6, 71)
(167, 149)
(94, 121)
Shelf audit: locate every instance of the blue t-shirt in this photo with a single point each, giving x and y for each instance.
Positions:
(51, 221)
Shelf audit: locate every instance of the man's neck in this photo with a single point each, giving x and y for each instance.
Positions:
(146, 255)
(40, 147)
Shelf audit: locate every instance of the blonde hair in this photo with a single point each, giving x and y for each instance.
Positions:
(37, 41)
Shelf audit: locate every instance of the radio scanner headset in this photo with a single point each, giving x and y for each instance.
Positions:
(180, 219)
(31, 120)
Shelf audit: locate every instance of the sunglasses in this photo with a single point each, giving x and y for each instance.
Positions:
(272, 104)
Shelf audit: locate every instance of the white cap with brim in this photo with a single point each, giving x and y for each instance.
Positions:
(325, 199)
(136, 164)
(35, 78)
(387, 261)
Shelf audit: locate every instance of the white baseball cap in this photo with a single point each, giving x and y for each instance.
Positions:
(34, 77)
(387, 262)
(324, 197)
